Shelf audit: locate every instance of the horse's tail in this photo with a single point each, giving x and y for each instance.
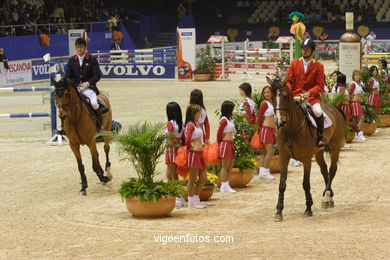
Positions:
(342, 112)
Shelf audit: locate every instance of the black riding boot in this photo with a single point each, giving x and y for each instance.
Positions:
(321, 142)
(99, 123)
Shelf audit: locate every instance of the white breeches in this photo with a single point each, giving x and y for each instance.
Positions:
(317, 110)
(91, 95)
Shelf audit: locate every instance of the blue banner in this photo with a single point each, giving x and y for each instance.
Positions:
(138, 71)
(40, 69)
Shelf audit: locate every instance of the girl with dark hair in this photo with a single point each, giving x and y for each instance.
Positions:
(355, 96)
(176, 139)
(382, 63)
(334, 79)
(196, 97)
(266, 123)
(248, 105)
(374, 99)
(195, 159)
(340, 87)
(225, 137)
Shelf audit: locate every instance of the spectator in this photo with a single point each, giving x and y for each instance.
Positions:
(323, 36)
(147, 43)
(112, 22)
(371, 36)
(117, 45)
(181, 10)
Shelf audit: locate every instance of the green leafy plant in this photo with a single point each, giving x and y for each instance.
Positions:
(257, 98)
(365, 75)
(245, 163)
(206, 64)
(384, 91)
(142, 145)
(334, 99)
(244, 130)
(148, 191)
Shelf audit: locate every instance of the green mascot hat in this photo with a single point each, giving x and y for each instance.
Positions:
(300, 15)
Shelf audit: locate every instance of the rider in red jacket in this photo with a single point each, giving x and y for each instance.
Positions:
(306, 78)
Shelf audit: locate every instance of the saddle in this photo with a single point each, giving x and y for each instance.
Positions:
(94, 113)
(307, 110)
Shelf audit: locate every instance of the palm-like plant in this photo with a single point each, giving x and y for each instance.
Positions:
(142, 145)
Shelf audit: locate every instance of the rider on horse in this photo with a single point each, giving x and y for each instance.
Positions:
(306, 79)
(83, 69)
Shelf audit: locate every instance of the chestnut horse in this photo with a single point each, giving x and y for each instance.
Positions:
(297, 139)
(80, 128)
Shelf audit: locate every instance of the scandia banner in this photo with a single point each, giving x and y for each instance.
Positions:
(186, 52)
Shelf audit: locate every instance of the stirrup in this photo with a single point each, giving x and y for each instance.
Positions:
(321, 142)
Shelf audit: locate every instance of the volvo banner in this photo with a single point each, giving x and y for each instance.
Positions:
(138, 71)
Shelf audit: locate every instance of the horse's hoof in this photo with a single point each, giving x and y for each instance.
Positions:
(83, 193)
(308, 213)
(331, 204)
(278, 217)
(104, 179)
(325, 204)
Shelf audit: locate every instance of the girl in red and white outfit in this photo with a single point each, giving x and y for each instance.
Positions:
(225, 137)
(247, 107)
(176, 139)
(355, 96)
(266, 122)
(196, 97)
(374, 99)
(340, 87)
(195, 159)
(334, 80)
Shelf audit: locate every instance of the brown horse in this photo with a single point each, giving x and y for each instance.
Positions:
(297, 139)
(80, 128)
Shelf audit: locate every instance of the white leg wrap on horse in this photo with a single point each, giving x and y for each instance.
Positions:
(317, 110)
(89, 93)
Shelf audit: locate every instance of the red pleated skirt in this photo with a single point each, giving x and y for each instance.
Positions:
(226, 149)
(196, 160)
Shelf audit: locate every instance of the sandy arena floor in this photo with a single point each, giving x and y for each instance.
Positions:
(44, 217)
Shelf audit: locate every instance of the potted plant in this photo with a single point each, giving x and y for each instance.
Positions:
(207, 190)
(384, 117)
(370, 118)
(205, 66)
(245, 160)
(142, 145)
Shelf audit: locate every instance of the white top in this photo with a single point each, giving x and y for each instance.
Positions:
(270, 109)
(203, 115)
(251, 103)
(198, 132)
(339, 90)
(326, 89)
(358, 88)
(229, 128)
(175, 129)
(376, 83)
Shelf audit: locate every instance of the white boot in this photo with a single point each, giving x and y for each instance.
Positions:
(197, 203)
(179, 202)
(266, 175)
(361, 136)
(377, 131)
(225, 188)
(191, 203)
(261, 171)
(295, 163)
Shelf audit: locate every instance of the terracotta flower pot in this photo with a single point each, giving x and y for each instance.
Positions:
(384, 120)
(369, 129)
(150, 209)
(202, 77)
(238, 179)
(274, 166)
(351, 137)
(205, 193)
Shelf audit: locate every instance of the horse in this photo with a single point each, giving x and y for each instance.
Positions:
(297, 139)
(80, 128)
